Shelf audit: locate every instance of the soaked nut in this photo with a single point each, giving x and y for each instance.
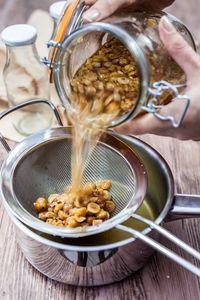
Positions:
(40, 204)
(126, 105)
(104, 185)
(59, 223)
(107, 216)
(78, 203)
(58, 207)
(106, 195)
(123, 80)
(52, 198)
(109, 206)
(112, 107)
(97, 65)
(81, 212)
(62, 215)
(90, 220)
(102, 214)
(93, 199)
(46, 215)
(80, 88)
(97, 222)
(67, 207)
(91, 76)
(71, 222)
(108, 100)
(90, 91)
(63, 198)
(110, 86)
(116, 97)
(99, 85)
(123, 61)
(86, 82)
(89, 188)
(79, 219)
(49, 221)
(93, 208)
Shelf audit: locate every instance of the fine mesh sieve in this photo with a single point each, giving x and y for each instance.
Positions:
(46, 169)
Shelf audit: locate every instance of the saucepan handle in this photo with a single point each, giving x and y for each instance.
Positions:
(184, 206)
(22, 105)
(162, 249)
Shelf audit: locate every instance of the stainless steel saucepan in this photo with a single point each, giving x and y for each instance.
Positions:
(112, 255)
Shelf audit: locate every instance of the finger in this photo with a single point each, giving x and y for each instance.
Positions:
(103, 8)
(178, 48)
(142, 125)
(150, 124)
(90, 2)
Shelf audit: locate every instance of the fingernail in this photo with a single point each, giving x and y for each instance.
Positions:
(167, 25)
(91, 15)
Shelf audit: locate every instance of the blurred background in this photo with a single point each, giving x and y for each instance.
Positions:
(18, 11)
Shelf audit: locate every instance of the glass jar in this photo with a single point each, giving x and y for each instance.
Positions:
(25, 78)
(117, 68)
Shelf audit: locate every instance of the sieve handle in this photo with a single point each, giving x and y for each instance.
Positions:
(22, 105)
(162, 249)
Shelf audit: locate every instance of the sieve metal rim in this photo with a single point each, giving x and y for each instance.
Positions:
(36, 141)
(122, 213)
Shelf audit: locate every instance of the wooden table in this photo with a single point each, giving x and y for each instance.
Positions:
(160, 279)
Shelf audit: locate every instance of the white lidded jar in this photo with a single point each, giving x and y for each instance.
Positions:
(55, 11)
(25, 78)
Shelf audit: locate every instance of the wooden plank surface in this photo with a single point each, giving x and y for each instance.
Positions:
(160, 279)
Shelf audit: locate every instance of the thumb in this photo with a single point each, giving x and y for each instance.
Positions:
(178, 48)
(103, 8)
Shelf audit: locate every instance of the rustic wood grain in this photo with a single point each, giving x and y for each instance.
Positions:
(160, 279)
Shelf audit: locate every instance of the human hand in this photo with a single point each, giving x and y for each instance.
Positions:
(101, 9)
(189, 61)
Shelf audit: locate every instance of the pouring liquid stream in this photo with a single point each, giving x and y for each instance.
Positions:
(102, 89)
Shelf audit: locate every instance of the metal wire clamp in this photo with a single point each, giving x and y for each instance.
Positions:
(158, 88)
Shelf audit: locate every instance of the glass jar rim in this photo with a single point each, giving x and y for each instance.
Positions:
(128, 41)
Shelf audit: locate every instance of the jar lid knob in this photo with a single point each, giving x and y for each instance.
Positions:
(56, 9)
(19, 35)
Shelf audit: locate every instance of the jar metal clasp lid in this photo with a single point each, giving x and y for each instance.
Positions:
(156, 91)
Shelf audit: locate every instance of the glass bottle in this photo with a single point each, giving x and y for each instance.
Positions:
(80, 60)
(25, 78)
(55, 11)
